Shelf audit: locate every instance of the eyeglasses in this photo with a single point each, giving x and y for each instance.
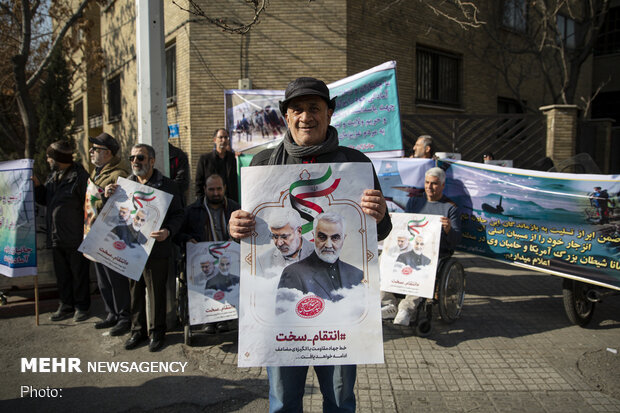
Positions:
(283, 237)
(97, 149)
(140, 158)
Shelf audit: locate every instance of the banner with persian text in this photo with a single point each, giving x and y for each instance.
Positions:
(560, 223)
(367, 114)
(17, 219)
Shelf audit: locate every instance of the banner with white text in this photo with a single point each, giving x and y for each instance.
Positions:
(17, 219)
(560, 223)
(309, 273)
(119, 237)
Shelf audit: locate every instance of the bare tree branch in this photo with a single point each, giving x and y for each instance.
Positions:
(225, 24)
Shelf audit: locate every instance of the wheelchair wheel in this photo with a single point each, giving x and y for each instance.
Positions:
(451, 291)
(579, 309)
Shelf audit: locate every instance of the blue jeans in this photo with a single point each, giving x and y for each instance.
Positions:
(286, 388)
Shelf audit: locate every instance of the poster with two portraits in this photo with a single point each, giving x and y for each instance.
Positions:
(309, 272)
(119, 237)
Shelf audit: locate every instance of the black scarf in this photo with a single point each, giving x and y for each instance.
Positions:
(288, 147)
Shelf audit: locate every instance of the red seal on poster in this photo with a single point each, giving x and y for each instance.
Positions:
(407, 270)
(119, 245)
(218, 295)
(310, 307)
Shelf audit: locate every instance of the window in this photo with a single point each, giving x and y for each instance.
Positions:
(171, 73)
(608, 41)
(114, 98)
(566, 31)
(78, 114)
(514, 16)
(438, 77)
(508, 105)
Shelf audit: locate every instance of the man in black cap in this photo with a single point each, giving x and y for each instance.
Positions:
(114, 287)
(63, 194)
(309, 138)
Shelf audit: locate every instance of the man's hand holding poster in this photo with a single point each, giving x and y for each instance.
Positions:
(410, 255)
(119, 238)
(212, 281)
(310, 285)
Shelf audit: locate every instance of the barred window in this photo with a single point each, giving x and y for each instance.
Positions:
(566, 31)
(114, 98)
(438, 77)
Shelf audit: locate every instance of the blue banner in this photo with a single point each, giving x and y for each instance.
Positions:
(17, 219)
(562, 224)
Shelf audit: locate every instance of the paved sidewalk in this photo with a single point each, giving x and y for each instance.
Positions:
(512, 350)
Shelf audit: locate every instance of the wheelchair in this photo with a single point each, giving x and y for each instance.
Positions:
(448, 296)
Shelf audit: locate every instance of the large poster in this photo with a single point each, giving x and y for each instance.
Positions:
(410, 254)
(212, 281)
(564, 224)
(309, 273)
(119, 238)
(17, 219)
(253, 117)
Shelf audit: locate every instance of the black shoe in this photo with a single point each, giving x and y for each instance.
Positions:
(61, 314)
(122, 327)
(107, 323)
(210, 328)
(157, 342)
(222, 327)
(81, 315)
(134, 340)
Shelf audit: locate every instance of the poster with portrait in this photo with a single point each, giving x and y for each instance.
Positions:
(410, 255)
(309, 272)
(94, 193)
(17, 219)
(119, 237)
(212, 281)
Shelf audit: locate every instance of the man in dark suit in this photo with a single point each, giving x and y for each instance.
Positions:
(130, 233)
(220, 161)
(223, 281)
(322, 273)
(414, 258)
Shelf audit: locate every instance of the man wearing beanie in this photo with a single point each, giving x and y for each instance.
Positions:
(63, 194)
(308, 109)
(114, 287)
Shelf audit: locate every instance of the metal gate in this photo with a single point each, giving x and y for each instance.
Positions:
(521, 138)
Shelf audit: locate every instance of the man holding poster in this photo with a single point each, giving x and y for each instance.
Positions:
(114, 287)
(156, 270)
(308, 109)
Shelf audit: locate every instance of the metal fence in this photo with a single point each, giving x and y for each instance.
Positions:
(521, 138)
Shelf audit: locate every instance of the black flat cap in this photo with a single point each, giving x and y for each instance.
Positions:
(106, 140)
(303, 86)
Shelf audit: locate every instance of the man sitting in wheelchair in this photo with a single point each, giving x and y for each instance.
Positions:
(433, 202)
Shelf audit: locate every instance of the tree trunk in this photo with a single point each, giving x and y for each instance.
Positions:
(26, 108)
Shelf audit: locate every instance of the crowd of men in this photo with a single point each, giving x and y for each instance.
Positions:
(216, 215)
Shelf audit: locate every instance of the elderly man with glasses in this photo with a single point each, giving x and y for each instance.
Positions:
(155, 272)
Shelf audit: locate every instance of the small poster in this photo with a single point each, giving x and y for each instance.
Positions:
(309, 273)
(410, 255)
(212, 281)
(17, 219)
(119, 237)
